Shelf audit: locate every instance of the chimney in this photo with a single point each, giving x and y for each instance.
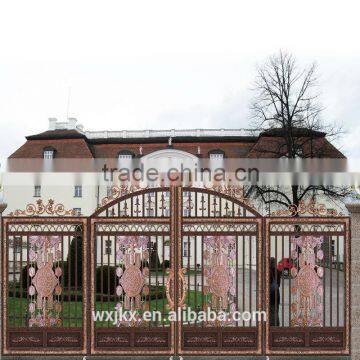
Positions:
(72, 123)
(80, 127)
(52, 123)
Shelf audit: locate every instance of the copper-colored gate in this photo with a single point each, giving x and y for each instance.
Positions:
(308, 262)
(219, 264)
(154, 250)
(44, 293)
(165, 249)
(132, 270)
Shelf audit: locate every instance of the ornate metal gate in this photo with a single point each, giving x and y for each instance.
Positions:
(219, 268)
(132, 257)
(44, 297)
(109, 284)
(171, 248)
(308, 285)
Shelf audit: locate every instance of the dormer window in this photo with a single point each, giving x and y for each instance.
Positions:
(49, 153)
(216, 154)
(125, 155)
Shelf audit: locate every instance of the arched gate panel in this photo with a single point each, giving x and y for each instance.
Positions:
(132, 274)
(167, 249)
(219, 265)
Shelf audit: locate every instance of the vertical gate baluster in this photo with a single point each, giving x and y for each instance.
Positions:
(283, 282)
(237, 275)
(331, 280)
(337, 280)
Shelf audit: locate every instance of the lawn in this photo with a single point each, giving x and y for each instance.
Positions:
(72, 311)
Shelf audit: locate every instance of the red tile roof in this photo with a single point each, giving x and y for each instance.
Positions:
(73, 144)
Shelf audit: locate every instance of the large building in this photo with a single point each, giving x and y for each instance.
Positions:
(84, 191)
(70, 143)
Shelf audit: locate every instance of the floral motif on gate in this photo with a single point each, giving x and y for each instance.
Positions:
(220, 272)
(307, 287)
(44, 291)
(131, 255)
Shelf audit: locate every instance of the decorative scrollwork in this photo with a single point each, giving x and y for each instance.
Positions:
(45, 272)
(319, 227)
(184, 288)
(220, 271)
(40, 208)
(307, 286)
(71, 229)
(131, 254)
(169, 280)
(310, 208)
(140, 228)
(221, 227)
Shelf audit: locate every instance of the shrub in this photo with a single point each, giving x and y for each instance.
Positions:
(109, 278)
(75, 255)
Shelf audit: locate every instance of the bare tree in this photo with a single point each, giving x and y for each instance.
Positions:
(286, 109)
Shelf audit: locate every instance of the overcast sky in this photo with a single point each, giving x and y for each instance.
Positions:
(166, 64)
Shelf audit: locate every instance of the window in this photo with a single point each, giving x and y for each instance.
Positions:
(78, 191)
(37, 191)
(125, 156)
(77, 211)
(216, 156)
(186, 249)
(108, 247)
(48, 154)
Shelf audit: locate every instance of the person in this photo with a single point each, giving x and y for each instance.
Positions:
(275, 278)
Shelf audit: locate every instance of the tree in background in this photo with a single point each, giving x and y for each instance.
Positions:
(287, 112)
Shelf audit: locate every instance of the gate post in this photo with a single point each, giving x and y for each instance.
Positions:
(354, 210)
(2, 208)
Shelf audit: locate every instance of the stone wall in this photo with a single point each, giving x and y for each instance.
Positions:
(354, 209)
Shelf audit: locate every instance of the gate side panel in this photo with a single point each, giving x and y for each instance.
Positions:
(307, 286)
(44, 272)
